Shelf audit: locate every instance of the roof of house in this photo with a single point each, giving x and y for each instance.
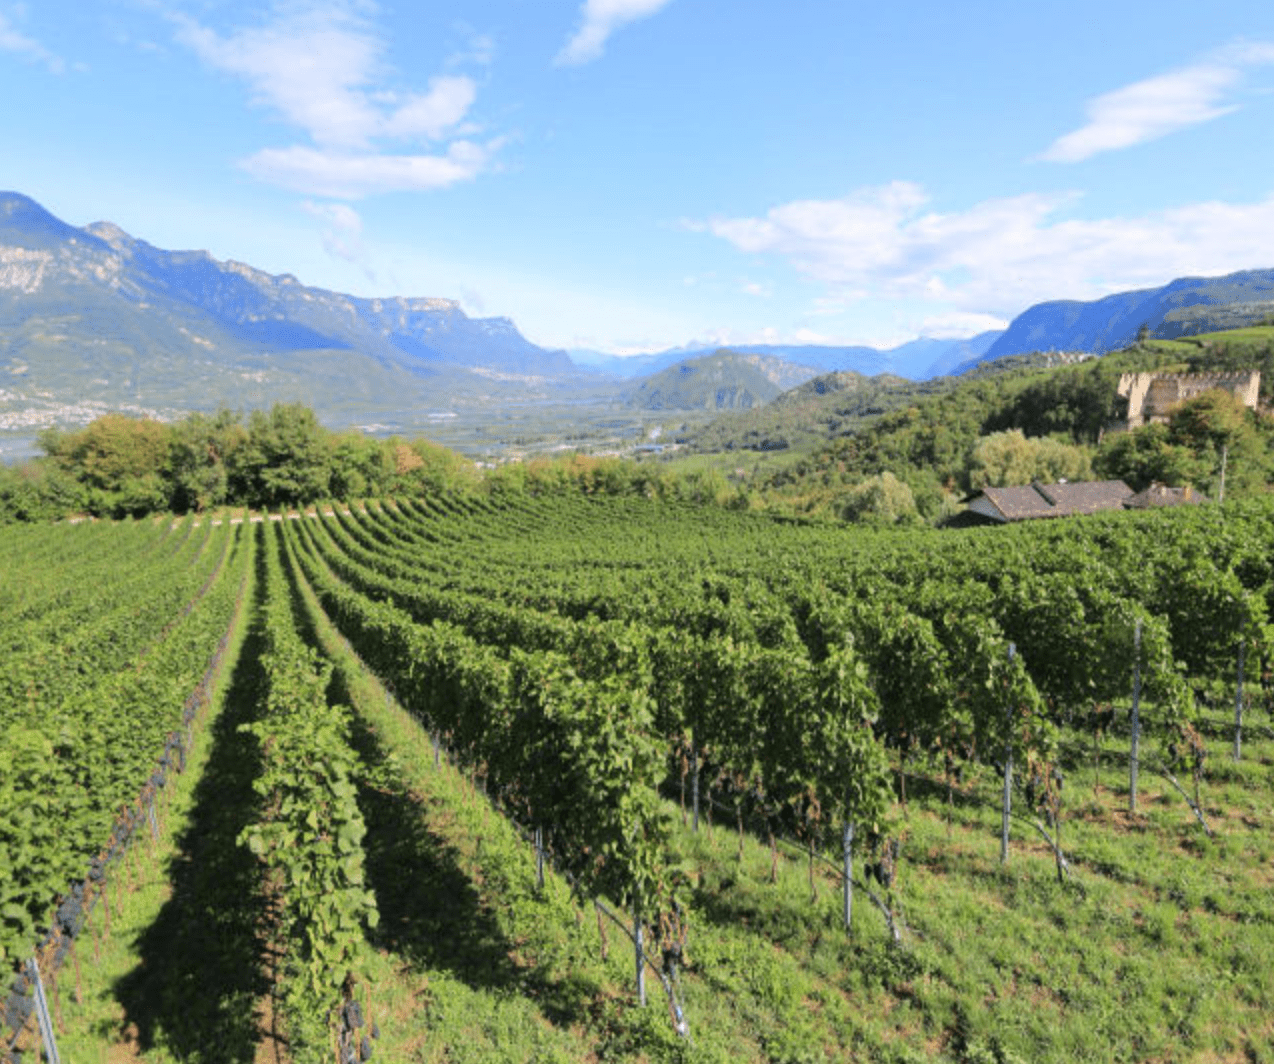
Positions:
(1162, 495)
(1051, 500)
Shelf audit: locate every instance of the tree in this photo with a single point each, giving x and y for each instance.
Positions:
(882, 499)
(285, 459)
(1217, 428)
(1005, 458)
(202, 449)
(120, 461)
(1210, 421)
(38, 491)
(1146, 456)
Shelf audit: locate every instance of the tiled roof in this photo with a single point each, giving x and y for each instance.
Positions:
(1051, 500)
(1162, 495)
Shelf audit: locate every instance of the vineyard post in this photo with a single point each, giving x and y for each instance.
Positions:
(694, 784)
(1136, 717)
(848, 844)
(43, 1019)
(641, 960)
(1238, 707)
(1008, 771)
(539, 858)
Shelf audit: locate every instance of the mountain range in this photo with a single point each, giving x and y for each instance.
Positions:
(1112, 322)
(916, 360)
(92, 318)
(96, 316)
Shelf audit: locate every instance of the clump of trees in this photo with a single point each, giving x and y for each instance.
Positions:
(1013, 421)
(1201, 437)
(122, 466)
(1012, 457)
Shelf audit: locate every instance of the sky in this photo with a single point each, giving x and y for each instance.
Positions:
(634, 175)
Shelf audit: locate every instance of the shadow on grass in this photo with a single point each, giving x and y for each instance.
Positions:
(431, 914)
(200, 977)
(432, 917)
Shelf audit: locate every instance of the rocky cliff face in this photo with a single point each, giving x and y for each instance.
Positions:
(42, 259)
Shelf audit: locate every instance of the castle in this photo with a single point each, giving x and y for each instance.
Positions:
(1151, 396)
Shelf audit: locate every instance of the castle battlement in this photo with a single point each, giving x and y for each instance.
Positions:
(1151, 396)
(1221, 377)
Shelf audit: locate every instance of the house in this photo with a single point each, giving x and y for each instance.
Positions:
(1161, 495)
(1033, 501)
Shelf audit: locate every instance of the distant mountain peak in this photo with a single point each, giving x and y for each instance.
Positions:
(24, 223)
(111, 233)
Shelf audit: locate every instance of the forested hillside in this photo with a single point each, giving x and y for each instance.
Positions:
(1056, 417)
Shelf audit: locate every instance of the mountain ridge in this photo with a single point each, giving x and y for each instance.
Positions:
(256, 308)
(1112, 322)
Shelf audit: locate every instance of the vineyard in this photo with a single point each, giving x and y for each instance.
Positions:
(579, 778)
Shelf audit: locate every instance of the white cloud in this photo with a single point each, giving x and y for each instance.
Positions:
(431, 114)
(998, 256)
(479, 50)
(11, 40)
(343, 175)
(1157, 106)
(959, 325)
(809, 336)
(320, 66)
(599, 19)
(313, 66)
(343, 234)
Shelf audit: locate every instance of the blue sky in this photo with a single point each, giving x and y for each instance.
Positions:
(630, 175)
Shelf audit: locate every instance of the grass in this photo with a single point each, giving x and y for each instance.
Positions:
(181, 976)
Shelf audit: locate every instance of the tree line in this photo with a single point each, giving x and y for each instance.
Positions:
(120, 466)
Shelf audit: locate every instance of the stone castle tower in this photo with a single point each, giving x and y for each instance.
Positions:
(1151, 396)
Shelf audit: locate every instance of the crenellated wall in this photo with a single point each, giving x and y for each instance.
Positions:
(1151, 396)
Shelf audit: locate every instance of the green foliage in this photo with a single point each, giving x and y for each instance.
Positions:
(881, 500)
(284, 459)
(1189, 448)
(567, 647)
(120, 466)
(86, 709)
(201, 457)
(1145, 456)
(38, 491)
(952, 439)
(311, 831)
(1010, 457)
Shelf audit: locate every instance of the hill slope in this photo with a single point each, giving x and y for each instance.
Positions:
(915, 360)
(825, 407)
(725, 380)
